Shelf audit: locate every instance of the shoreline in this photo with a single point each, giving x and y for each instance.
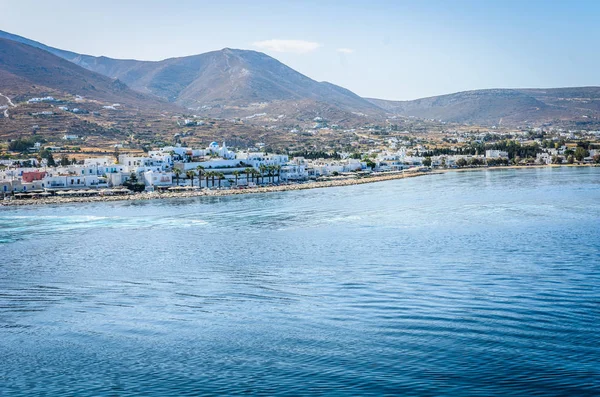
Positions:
(266, 189)
(218, 193)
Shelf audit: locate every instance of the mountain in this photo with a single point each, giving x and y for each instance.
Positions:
(509, 107)
(222, 79)
(27, 71)
(256, 87)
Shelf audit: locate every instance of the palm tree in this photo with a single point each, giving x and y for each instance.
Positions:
(191, 174)
(248, 171)
(262, 168)
(269, 170)
(177, 173)
(278, 172)
(220, 177)
(236, 173)
(200, 170)
(213, 175)
(257, 175)
(207, 175)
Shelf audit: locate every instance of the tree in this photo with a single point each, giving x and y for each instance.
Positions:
(596, 158)
(581, 153)
(133, 184)
(237, 174)
(50, 160)
(177, 173)
(461, 162)
(270, 173)
(248, 171)
(278, 172)
(200, 170)
(256, 175)
(191, 174)
(475, 161)
(20, 145)
(220, 177)
(64, 160)
(207, 176)
(443, 162)
(427, 161)
(570, 159)
(262, 168)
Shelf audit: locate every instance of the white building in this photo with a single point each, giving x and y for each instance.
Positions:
(157, 178)
(495, 154)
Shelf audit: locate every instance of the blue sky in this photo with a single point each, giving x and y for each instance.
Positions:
(384, 49)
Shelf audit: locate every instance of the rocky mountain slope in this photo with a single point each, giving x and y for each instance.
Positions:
(259, 89)
(222, 79)
(26, 71)
(511, 107)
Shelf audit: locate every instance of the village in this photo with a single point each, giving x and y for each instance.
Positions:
(178, 168)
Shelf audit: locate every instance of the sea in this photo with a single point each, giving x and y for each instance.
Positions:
(483, 283)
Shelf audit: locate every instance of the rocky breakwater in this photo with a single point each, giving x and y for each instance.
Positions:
(333, 182)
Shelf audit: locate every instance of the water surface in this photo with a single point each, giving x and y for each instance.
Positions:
(474, 283)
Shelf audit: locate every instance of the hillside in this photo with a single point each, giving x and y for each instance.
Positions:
(27, 71)
(579, 106)
(255, 89)
(223, 79)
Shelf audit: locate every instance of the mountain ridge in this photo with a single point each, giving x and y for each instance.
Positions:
(239, 83)
(504, 106)
(227, 77)
(29, 70)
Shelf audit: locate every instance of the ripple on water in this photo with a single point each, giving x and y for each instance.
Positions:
(482, 283)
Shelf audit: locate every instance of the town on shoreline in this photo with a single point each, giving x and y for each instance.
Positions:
(178, 171)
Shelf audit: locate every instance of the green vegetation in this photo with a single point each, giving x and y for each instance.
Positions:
(190, 175)
(177, 173)
(133, 184)
(21, 145)
(313, 155)
(580, 153)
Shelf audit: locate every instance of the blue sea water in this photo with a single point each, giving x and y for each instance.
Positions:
(473, 283)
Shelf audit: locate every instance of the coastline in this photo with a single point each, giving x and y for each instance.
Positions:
(515, 167)
(266, 189)
(218, 193)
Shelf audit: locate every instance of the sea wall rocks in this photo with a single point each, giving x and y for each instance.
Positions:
(209, 192)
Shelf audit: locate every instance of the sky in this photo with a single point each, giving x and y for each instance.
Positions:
(382, 49)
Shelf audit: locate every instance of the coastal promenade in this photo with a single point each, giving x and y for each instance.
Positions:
(334, 182)
(225, 192)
